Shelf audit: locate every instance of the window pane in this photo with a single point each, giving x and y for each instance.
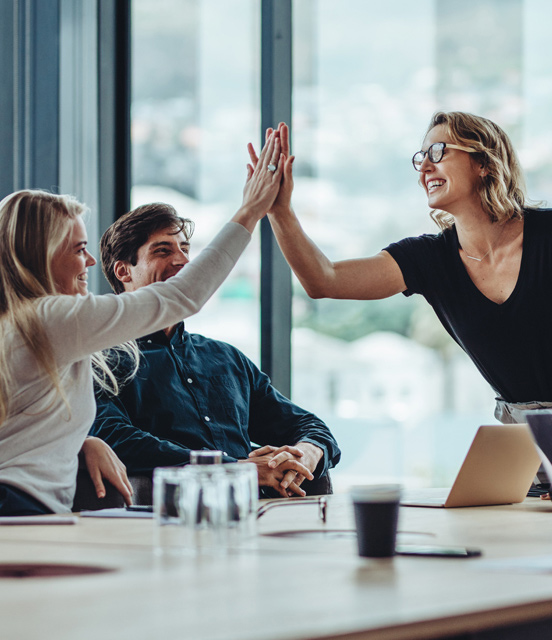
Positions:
(403, 400)
(195, 100)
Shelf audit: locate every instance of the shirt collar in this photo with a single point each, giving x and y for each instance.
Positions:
(159, 337)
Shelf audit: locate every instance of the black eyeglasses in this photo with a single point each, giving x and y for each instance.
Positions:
(435, 153)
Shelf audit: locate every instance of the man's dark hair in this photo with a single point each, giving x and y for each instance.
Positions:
(123, 238)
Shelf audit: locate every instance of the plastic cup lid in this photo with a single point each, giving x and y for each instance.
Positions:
(376, 493)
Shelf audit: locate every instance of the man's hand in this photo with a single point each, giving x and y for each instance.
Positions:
(308, 454)
(102, 462)
(272, 465)
(311, 455)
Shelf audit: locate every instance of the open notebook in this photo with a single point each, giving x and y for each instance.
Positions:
(498, 469)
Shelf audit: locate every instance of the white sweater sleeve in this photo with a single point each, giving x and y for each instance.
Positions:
(80, 325)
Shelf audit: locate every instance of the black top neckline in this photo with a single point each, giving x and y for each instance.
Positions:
(470, 283)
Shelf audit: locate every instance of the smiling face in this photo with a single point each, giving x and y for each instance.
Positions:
(161, 257)
(70, 264)
(451, 184)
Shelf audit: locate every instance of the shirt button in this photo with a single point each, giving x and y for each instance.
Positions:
(207, 419)
(172, 347)
(149, 341)
(189, 381)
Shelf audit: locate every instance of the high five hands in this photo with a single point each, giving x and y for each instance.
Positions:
(282, 202)
(263, 183)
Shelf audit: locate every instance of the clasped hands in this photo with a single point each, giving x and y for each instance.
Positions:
(285, 468)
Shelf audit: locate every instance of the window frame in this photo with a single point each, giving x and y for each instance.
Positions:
(68, 61)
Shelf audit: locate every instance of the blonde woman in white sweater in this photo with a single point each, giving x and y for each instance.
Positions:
(50, 326)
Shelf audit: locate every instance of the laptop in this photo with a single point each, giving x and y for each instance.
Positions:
(498, 469)
(540, 424)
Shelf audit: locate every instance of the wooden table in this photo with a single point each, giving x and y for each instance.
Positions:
(311, 584)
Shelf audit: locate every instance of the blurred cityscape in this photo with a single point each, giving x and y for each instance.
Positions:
(402, 399)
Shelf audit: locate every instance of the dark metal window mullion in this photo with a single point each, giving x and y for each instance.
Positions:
(114, 82)
(276, 83)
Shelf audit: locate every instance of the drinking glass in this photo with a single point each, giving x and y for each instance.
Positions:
(243, 499)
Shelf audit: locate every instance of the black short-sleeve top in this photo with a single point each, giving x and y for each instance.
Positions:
(510, 343)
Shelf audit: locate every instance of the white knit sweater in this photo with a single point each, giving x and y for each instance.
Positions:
(40, 440)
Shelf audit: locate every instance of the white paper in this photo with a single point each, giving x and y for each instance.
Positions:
(119, 512)
(38, 520)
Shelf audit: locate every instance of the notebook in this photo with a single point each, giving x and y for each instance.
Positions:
(498, 469)
(540, 423)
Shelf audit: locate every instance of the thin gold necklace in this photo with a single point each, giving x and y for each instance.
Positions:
(489, 251)
(478, 259)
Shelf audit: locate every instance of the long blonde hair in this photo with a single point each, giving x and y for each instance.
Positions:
(34, 226)
(502, 189)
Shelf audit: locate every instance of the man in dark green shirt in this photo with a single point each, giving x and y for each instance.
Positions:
(192, 392)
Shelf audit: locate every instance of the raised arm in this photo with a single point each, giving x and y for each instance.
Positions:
(360, 279)
(100, 322)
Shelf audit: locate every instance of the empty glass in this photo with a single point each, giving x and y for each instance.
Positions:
(166, 495)
(166, 509)
(243, 499)
(205, 457)
(205, 507)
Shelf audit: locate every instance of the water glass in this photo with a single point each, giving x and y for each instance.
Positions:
(243, 500)
(166, 495)
(166, 509)
(205, 457)
(204, 507)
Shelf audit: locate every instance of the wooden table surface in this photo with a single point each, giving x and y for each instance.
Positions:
(306, 583)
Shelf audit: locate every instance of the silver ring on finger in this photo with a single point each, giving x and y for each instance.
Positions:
(272, 167)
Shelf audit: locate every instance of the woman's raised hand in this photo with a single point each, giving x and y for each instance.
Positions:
(282, 203)
(263, 183)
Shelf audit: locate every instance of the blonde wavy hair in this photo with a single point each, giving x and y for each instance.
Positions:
(34, 227)
(502, 189)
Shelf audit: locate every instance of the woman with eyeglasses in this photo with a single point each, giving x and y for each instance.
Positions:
(487, 274)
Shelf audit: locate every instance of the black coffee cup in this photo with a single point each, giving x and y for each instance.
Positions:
(376, 510)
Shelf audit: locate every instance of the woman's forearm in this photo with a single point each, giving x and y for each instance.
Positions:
(369, 278)
(313, 269)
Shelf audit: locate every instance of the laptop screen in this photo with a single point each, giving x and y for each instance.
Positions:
(540, 423)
